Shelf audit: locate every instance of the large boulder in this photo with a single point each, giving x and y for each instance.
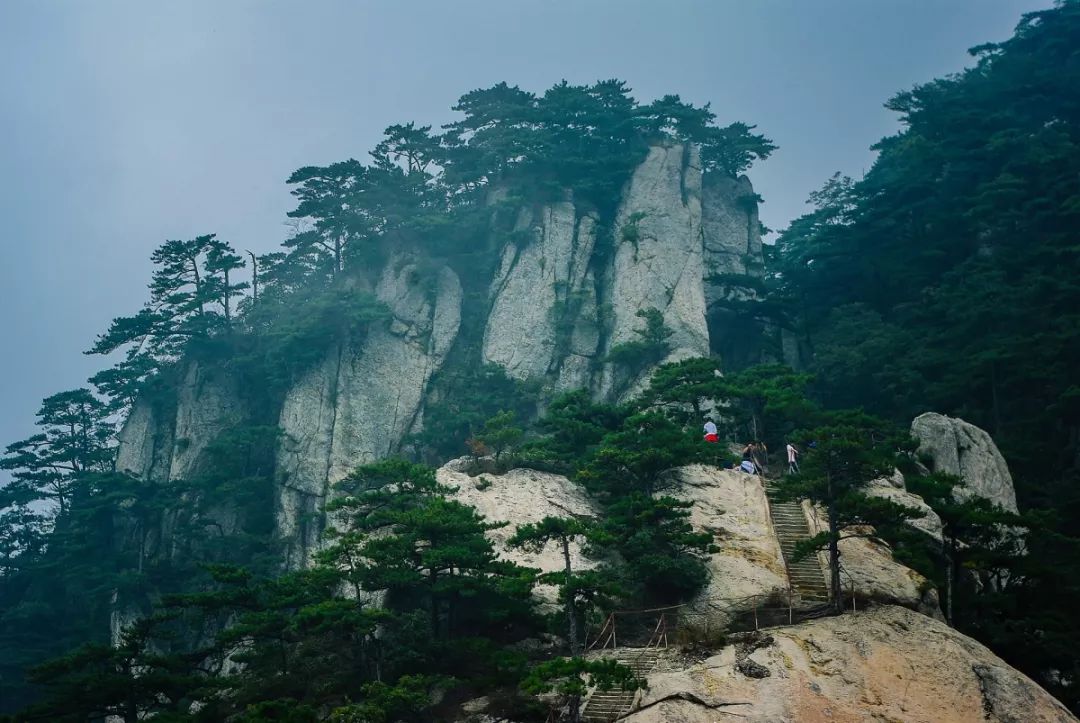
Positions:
(869, 571)
(954, 446)
(520, 497)
(892, 489)
(749, 566)
(884, 664)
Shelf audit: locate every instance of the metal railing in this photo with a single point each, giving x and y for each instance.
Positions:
(751, 612)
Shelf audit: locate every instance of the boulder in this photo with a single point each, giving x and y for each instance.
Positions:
(749, 566)
(929, 523)
(868, 569)
(883, 664)
(954, 446)
(520, 497)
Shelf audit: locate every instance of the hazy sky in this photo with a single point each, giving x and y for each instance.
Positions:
(123, 124)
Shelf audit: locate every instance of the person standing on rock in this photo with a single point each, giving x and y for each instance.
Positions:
(710, 431)
(792, 459)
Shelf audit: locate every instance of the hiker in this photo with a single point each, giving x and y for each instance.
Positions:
(710, 431)
(749, 459)
(792, 459)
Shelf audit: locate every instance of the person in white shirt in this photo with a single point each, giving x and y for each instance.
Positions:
(711, 434)
(792, 459)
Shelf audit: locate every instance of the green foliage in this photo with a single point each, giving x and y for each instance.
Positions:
(76, 430)
(640, 456)
(650, 347)
(578, 593)
(571, 678)
(688, 390)
(500, 434)
(848, 450)
(770, 400)
(292, 332)
(945, 279)
(573, 425)
(470, 398)
(191, 299)
(663, 554)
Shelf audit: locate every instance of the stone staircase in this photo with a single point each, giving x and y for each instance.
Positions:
(806, 577)
(607, 705)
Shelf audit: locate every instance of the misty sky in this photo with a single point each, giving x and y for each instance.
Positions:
(123, 124)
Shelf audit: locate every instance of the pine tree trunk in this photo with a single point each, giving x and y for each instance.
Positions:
(571, 614)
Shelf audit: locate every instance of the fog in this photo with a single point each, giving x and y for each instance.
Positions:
(124, 124)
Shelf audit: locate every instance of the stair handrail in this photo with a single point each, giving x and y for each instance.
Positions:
(608, 623)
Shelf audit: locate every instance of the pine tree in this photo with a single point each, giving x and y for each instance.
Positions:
(76, 438)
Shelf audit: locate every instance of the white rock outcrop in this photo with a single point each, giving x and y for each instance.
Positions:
(962, 449)
(893, 490)
(520, 497)
(731, 233)
(884, 664)
(868, 569)
(358, 404)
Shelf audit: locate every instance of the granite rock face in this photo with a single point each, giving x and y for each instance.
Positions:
(543, 310)
(358, 404)
(659, 259)
(161, 442)
(962, 449)
(870, 572)
(732, 507)
(683, 243)
(520, 497)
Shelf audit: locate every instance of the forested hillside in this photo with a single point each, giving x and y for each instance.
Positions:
(946, 279)
(241, 518)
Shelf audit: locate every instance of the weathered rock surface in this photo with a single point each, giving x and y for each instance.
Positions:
(732, 507)
(868, 568)
(659, 256)
(357, 405)
(962, 449)
(539, 292)
(884, 664)
(162, 442)
(930, 522)
(146, 442)
(520, 497)
(731, 234)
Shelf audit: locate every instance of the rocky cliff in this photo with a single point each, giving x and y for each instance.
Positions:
(566, 289)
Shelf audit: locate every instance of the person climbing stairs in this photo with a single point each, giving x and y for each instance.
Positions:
(607, 705)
